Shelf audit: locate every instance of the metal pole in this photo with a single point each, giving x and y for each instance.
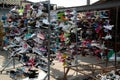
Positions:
(76, 45)
(20, 3)
(88, 2)
(116, 26)
(49, 32)
(3, 4)
(76, 56)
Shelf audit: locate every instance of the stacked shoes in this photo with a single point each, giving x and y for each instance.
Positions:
(113, 75)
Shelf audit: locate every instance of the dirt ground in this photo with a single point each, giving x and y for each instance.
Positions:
(57, 70)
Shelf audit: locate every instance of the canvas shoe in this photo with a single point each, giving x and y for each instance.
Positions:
(45, 21)
(66, 29)
(23, 50)
(69, 16)
(61, 24)
(37, 24)
(38, 40)
(44, 26)
(66, 34)
(27, 36)
(41, 36)
(109, 27)
(71, 23)
(70, 11)
(5, 48)
(32, 35)
(108, 37)
(72, 18)
(11, 46)
(24, 47)
(79, 29)
(73, 30)
(37, 51)
(73, 12)
(67, 40)
(94, 25)
(39, 13)
(60, 13)
(42, 49)
(105, 30)
(88, 15)
(103, 15)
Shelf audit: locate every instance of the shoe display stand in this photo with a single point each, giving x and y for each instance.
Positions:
(96, 30)
(94, 35)
(37, 37)
(26, 40)
(68, 39)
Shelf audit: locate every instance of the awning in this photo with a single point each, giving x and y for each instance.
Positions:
(109, 4)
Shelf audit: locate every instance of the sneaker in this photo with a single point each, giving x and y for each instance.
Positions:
(41, 36)
(109, 27)
(42, 49)
(45, 21)
(38, 40)
(60, 13)
(108, 37)
(37, 51)
(37, 24)
(39, 13)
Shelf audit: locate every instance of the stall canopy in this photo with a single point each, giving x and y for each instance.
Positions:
(96, 6)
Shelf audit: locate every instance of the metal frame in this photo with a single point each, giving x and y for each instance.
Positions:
(116, 27)
(49, 31)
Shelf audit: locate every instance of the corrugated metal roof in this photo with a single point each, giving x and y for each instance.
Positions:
(107, 4)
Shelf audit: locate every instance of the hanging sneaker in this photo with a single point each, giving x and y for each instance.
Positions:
(42, 49)
(39, 13)
(45, 21)
(109, 27)
(108, 37)
(37, 51)
(41, 36)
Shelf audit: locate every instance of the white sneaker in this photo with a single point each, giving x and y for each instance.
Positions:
(109, 27)
(108, 37)
(36, 50)
(37, 24)
(39, 13)
(18, 39)
(45, 21)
